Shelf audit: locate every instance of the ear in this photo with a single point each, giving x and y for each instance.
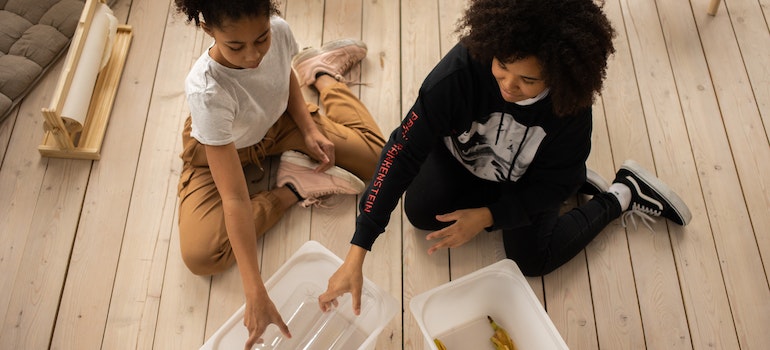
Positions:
(207, 29)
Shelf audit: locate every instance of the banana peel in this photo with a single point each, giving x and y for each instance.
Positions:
(500, 339)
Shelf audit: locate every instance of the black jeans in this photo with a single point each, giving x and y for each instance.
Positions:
(443, 185)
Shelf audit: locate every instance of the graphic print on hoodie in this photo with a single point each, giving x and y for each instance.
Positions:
(496, 148)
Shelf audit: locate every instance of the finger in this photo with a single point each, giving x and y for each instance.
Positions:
(251, 341)
(442, 233)
(444, 243)
(323, 167)
(319, 154)
(357, 301)
(327, 158)
(284, 328)
(327, 299)
(447, 217)
(330, 153)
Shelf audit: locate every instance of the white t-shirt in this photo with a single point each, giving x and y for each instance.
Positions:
(240, 105)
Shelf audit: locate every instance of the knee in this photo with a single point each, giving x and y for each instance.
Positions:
(531, 265)
(204, 259)
(532, 270)
(201, 264)
(422, 216)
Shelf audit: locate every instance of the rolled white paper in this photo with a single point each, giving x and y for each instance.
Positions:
(95, 54)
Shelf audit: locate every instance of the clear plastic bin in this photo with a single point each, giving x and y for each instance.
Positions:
(294, 289)
(456, 312)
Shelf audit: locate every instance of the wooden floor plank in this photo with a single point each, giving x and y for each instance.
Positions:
(21, 177)
(92, 272)
(618, 319)
(6, 128)
(745, 277)
(381, 73)
(30, 319)
(654, 267)
(184, 302)
(753, 37)
(671, 150)
(136, 294)
(716, 165)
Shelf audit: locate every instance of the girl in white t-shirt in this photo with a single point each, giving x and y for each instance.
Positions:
(246, 104)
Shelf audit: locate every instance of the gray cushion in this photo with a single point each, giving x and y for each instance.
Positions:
(33, 34)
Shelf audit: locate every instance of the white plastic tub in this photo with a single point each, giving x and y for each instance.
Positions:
(456, 312)
(294, 289)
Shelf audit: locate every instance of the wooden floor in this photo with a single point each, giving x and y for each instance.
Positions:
(89, 253)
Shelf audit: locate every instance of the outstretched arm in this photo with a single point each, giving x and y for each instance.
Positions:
(231, 184)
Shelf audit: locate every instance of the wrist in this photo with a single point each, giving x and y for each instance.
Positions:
(487, 219)
(256, 293)
(356, 255)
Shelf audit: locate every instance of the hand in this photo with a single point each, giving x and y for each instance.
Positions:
(467, 224)
(257, 316)
(320, 148)
(348, 278)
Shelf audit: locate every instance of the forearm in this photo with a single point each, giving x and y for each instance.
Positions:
(297, 107)
(236, 206)
(243, 241)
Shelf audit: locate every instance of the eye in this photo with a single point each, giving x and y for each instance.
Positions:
(235, 49)
(263, 39)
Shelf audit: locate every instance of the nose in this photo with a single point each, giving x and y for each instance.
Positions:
(511, 84)
(253, 55)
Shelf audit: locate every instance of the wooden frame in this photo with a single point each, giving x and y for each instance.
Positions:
(713, 7)
(62, 142)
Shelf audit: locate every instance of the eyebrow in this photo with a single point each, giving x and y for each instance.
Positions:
(523, 76)
(259, 37)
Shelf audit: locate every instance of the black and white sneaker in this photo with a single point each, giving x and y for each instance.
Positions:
(594, 184)
(650, 196)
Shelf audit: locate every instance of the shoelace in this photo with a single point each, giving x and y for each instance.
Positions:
(346, 66)
(319, 202)
(643, 213)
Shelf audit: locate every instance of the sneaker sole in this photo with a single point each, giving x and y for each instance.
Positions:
(332, 45)
(660, 188)
(300, 159)
(596, 183)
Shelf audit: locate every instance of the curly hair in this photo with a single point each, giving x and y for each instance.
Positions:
(215, 12)
(572, 40)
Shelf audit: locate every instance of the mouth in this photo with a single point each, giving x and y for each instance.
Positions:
(510, 96)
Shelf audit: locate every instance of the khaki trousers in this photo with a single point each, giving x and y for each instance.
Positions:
(203, 239)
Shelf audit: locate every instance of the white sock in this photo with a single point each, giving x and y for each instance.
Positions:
(623, 193)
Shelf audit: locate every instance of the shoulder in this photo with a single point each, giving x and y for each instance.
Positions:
(282, 34)
(455, 65)
(457, 74)
(279, 23)
(280, 28)
(199, 75)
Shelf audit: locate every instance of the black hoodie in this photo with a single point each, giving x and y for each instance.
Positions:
(538, 157)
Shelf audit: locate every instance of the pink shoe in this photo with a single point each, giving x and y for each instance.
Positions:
(297, 169)
(334, 58)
